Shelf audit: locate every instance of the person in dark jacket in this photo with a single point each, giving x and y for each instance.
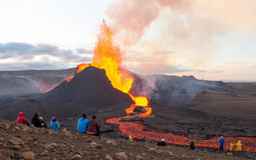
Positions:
(82, 124)
(38, 121)
(43, 123)
(192, 145)
(94, 128)
(21, 119)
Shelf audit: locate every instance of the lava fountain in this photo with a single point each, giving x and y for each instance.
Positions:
(109, 57)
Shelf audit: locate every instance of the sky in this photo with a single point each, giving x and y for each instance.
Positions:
(210, 39)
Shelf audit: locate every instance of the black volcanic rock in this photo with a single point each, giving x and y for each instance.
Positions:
(89, 87)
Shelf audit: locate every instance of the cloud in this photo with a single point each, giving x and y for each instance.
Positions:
(192, 29)
(239, 72)
(21, 56)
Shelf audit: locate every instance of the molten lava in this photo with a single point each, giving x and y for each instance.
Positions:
(81, 67)
(138, 132)
(108, 57)
(141, 102)
(69, 78)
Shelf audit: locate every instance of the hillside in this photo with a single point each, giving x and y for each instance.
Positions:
(23, 143)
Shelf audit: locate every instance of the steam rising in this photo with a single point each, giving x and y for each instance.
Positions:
(187, 28)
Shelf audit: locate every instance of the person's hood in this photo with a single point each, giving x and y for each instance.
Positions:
(53, 118)
(21, 114)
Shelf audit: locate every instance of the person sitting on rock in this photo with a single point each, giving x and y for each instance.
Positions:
(43, 123)
(161, 142)
(94, 128)
(82, 124)
(21, 119)
(38, 121)
(55, 125)
(192, 145)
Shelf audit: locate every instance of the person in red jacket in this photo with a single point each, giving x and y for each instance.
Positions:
(21, 119)
(94, 128)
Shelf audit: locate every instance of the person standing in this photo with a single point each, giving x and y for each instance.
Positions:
(221, 142)
(21, 119)
(82, 124)
(238, 146)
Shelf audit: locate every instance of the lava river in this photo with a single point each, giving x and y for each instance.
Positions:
(139, 132)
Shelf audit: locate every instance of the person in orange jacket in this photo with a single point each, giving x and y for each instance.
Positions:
(238, 146)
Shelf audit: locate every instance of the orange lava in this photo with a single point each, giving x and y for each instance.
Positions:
(69, 78)
(81, 67)
(108, 57)
(138, 131)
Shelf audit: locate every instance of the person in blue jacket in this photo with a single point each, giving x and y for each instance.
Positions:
(221, 142)
(55, 125)
(82, 124)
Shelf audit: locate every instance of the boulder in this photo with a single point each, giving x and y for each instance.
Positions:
(108, 157)
(28, 155)
(16, 141)
(76, 157)
(121, 156)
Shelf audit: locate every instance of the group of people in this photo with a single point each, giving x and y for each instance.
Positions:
(233, 146)
(84, 125)
(91, 127)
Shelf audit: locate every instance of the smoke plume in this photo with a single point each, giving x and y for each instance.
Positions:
(188, 29)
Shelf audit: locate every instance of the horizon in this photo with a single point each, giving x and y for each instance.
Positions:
(153, 74)
(208, 40)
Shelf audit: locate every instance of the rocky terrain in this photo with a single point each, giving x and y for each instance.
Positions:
(24, 143)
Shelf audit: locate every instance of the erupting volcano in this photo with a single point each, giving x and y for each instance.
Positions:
(109, 58)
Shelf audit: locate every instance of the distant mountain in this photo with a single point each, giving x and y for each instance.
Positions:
(161, 89)
(171, 90)
(19, 83)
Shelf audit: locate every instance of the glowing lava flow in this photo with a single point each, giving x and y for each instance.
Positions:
(81, 67)
(138, 132)
(108, 57)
